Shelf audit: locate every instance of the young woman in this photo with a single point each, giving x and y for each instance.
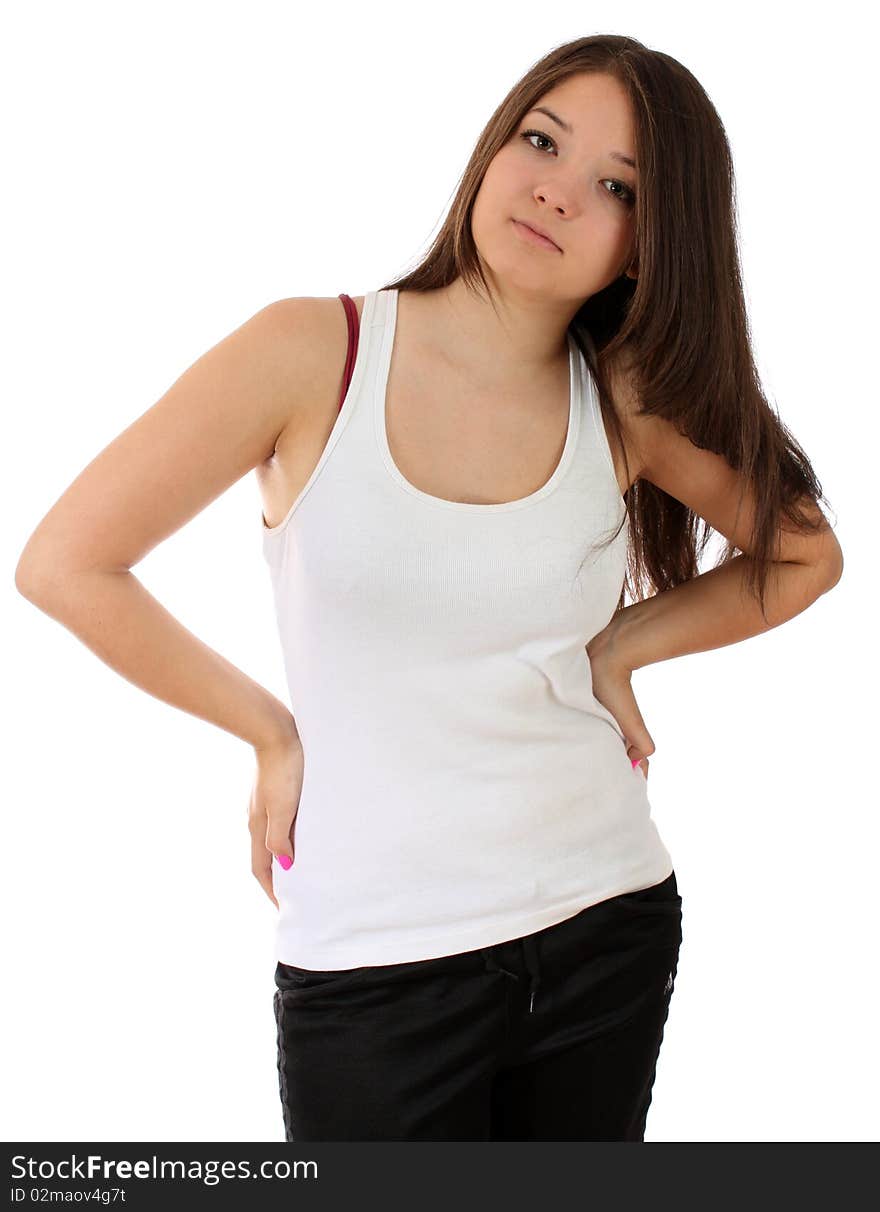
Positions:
(462, 473)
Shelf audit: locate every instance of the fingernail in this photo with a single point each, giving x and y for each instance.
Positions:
(635, 762)
(284, 860)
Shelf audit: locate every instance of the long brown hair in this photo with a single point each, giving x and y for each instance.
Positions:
(682, 323)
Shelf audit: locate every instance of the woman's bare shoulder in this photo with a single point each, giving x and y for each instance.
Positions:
(622, 382)
(318, 308)
(624, 389)
(307, 318)
(313, 331)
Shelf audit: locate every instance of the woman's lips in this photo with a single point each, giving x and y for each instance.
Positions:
(532, 236)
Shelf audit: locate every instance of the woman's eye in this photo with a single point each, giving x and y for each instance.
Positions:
(537, 134)
(626, 196)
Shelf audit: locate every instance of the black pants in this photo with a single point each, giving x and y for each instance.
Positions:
(553, 1036)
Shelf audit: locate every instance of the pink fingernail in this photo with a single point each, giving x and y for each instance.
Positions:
(284, 860)
(635, 762)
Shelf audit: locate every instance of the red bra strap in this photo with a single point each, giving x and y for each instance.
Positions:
(353, 333)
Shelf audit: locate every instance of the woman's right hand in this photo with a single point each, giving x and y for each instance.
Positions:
(273, 807)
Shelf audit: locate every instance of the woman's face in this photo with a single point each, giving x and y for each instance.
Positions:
(569, 183)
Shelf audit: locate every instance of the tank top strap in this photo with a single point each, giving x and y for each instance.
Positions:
(353, 333)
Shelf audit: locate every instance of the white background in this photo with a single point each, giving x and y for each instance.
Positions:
(172, 169)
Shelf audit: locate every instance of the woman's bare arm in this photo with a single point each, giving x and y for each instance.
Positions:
(217, 422)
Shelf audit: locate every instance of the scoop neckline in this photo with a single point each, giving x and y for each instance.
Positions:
(381, 402)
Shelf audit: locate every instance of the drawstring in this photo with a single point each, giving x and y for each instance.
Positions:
(530, 952)
(492, 965)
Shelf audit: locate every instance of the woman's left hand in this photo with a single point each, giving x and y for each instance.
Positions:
(612, 686)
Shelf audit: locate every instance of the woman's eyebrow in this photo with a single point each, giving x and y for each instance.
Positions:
(615, 155)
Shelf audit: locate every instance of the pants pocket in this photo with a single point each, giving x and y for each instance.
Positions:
(660, 898)
(289, 978)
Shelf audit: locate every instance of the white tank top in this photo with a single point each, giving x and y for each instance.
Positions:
(462, 785)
